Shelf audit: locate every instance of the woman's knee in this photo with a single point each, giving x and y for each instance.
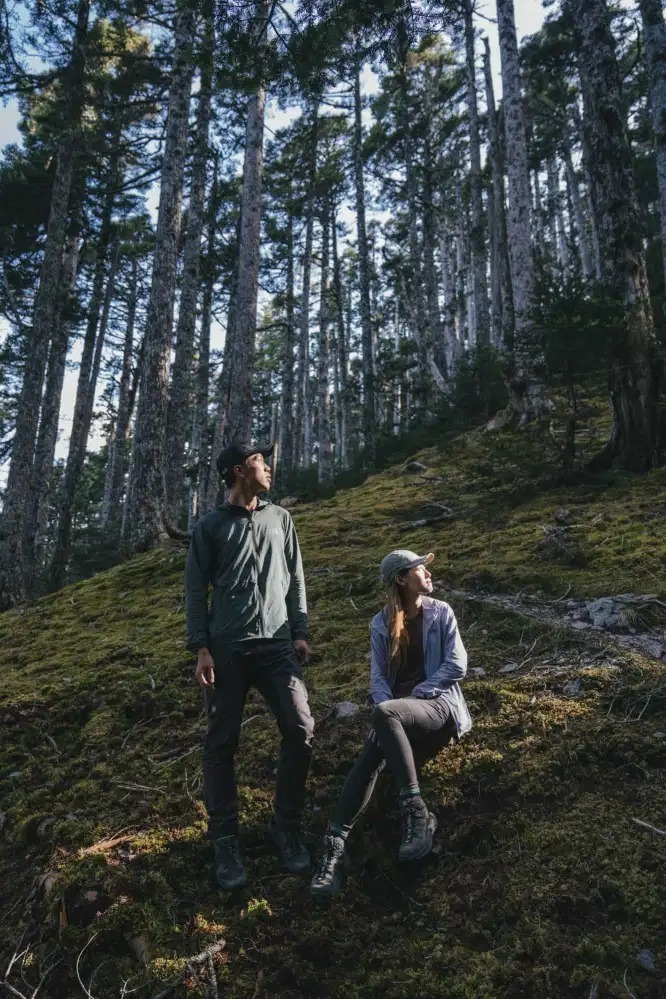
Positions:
(382, 712)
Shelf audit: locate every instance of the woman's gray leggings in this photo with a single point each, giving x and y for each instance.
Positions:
(405, 732)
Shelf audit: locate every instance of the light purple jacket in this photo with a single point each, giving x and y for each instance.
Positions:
(445, 661)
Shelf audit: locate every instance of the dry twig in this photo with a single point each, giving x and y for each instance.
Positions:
(205, 957)
(646, 825)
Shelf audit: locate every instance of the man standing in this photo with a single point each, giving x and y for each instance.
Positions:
(253, 634)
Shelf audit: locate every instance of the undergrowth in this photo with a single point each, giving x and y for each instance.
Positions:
(545, 884)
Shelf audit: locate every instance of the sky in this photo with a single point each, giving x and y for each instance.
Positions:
(529, 17)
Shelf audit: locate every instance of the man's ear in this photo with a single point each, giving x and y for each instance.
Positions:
(240, 470)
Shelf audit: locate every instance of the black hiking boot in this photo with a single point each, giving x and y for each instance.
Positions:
(291, 848)
(418, 829)
(229, 869)
(332, 869)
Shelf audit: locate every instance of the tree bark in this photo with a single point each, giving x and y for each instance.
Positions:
(363, 275)
(654, 32)
(286, 447)
(302, 451)
(324, 458)
(501, 256)
(240, 402)
(558, 232)
(529, 399)
(341, 352)
(12, 525)
(583, 242)
(42, 477)
(83, 411)
(117, 449)
(633, 381)
(180, 398)
(147, 489)
(477, 235)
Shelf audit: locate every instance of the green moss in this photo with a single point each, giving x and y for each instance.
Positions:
(544, 886)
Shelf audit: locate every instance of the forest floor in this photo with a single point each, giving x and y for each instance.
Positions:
(548, 879)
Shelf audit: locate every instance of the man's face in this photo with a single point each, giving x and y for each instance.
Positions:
(417, 582)
(257, 473)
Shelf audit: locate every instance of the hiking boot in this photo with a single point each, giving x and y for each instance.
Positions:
(229, 868)
(418, 828)
(332, 869)
(291, 848)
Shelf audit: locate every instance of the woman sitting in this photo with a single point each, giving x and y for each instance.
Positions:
(417, 658)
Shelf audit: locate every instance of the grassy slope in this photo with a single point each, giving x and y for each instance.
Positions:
(544, 885)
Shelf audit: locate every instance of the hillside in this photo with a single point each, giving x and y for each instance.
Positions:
(545, 885)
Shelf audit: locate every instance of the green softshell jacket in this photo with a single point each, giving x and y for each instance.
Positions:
(253, 562)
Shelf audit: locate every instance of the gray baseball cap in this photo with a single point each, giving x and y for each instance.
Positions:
(399, 560)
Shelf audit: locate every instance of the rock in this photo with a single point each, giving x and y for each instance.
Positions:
(645, 958)
(604, 613)
(572, 687)
(508, 668)
(140, 947)
(660, 735)
(477, 671)
(345, 709)
(655, 649)
(288, 502)
(415, 466)
(580, 625)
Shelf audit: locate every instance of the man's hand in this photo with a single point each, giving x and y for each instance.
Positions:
(204, 674)
(302, 650)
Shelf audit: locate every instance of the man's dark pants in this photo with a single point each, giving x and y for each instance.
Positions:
(274, 669)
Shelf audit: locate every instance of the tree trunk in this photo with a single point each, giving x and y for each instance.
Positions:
(117, 450)
(200, 467)
(83, 411)
(147, 488)
(429, 269)
(42, 476)
(528, 393)
(477, 235)
(302, 452)
(12, 525)
(583, 242)
(654, 32)
(342, 395)
(324, 459)
(558, 232)
(496, 155)
(633, 382)
(450, 348)
(180, 398)
(286, 447)
(363, 275)
(240, 402)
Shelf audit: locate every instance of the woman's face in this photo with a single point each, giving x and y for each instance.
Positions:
(417, 582)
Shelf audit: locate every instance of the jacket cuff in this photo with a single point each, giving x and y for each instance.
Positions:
(196, 644)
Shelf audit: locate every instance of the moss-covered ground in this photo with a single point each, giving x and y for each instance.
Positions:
(544, 884)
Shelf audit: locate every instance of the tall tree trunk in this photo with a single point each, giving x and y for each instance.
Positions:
(12, 525)
(496, 155)
(83, 411)
(117, 451)
(558, 233)
(633, 382)
(180, 397)
(286, 446)
(302, 453)
(324, 458)
(582, 240)
(654, 31)
(415, 299)
(200, 451)
(451, 348)
(42, 478)
(240, 402)
(429, 269)
(528, 395)
(342, 395)
(477, 235)
(587, 172)
(147, 488)
(363, 274)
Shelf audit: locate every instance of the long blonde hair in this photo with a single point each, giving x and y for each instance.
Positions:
(397, 629)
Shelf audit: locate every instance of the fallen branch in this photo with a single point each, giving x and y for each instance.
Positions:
(646, 825)
(427, 520)
(205, 957)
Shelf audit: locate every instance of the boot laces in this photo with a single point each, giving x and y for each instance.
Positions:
(332, 853)
(412, 815)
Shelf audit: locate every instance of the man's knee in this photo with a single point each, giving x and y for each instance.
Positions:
(221, 743)
(298, 729)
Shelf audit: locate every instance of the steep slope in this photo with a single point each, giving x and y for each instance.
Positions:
(544, 885)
